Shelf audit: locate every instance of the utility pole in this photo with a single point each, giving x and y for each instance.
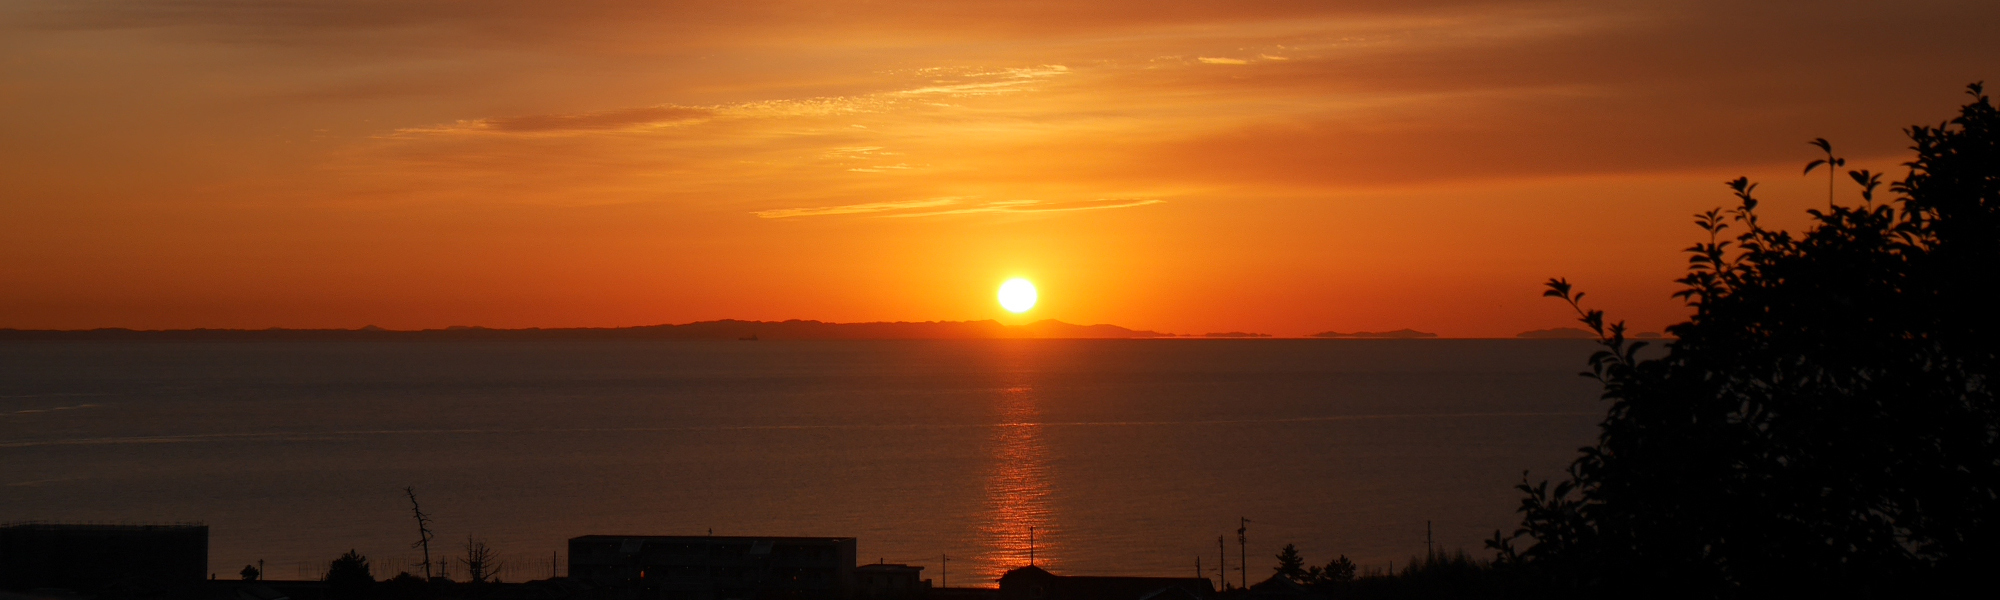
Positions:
(423, 530)
(1243, 549)
(944, 569)
(1222, 564)
(1197, 568)
(1429, 552)
(1031, 545)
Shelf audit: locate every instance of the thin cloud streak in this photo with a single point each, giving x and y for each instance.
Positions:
(997, 206)
(605, 120)
(982, 83)
(1028, 206)
(870, 207)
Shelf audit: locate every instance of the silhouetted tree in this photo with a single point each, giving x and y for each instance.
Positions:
(404, 586)
(1290, 565)
(423, 529)
(1823, 424)
(349, 576)
(249, 573)
(481, 563)
(1338, 570)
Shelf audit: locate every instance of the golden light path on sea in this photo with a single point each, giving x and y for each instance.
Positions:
(1019, 523)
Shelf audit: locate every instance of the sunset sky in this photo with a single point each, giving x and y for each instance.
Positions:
(1278, 167)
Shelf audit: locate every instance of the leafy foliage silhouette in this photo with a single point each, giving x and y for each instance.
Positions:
(1825, 422)
(349, 576)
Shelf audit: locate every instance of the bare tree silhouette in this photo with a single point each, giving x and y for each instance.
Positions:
(482, 564)
(423, 529)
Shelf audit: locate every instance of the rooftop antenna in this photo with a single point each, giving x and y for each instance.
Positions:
(1197, 568)
(1031, 545)
(423, 530)
(1429, 552)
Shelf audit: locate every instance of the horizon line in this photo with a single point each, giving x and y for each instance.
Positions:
(1051, 329)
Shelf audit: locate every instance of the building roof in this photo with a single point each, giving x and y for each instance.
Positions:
(102, 527)
(1279, 587)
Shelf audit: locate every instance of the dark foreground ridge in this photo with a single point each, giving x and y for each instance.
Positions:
(55, 561)
(728, 329)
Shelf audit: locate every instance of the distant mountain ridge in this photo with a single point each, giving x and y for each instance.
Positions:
(727, 329)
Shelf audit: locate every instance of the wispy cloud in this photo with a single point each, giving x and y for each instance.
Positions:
(1223, 61)
(941, 82)
(610, 119)
(643, 117)
(870, 207)
(882, 168)
(1035, 206)
(913, 208)
(985, 83)
(856, 152)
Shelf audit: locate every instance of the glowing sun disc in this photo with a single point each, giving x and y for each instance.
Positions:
(1017, 295)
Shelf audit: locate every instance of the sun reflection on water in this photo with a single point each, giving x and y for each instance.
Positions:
(1017, 490)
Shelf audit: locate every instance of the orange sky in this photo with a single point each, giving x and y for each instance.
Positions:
(1279, 167)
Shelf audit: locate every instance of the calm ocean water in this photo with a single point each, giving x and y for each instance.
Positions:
(1125, 456)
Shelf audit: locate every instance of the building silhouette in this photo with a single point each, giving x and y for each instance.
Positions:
(1034, 583)
(132, 558)
(890, 581)
(715, 567)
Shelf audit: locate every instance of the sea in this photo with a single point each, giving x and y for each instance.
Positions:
(1163, 457)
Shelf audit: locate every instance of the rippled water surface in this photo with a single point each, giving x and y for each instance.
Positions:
(1124, 456)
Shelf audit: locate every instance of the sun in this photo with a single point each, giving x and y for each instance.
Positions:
(1017, 295)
